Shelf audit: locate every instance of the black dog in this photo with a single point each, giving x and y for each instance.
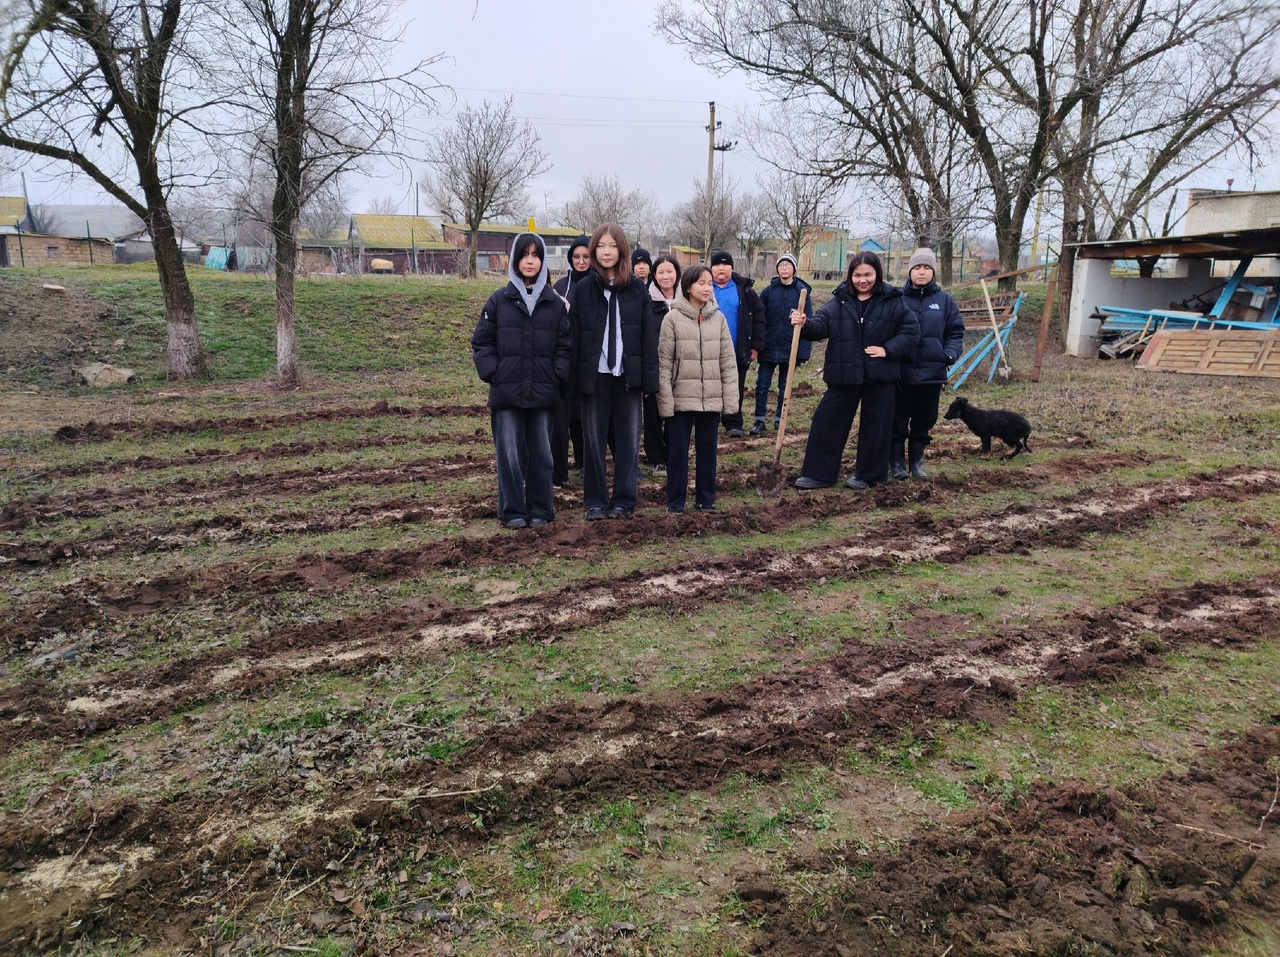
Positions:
(1009, 427)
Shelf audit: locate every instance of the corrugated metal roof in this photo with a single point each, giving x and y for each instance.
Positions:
(511, 229)
(12, 209)
(395, 232)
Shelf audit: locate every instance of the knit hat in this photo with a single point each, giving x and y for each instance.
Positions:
(641, 255)
(787, 257)
(923, 257)
(721, 258)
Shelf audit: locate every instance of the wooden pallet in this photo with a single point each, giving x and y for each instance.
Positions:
(1221, 352)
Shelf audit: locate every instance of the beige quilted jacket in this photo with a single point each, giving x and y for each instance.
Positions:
(697, 365)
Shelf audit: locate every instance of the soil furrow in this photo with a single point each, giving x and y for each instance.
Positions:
(576, 756)
(278, 450)
(693, 585)
(95, 600)
(106, 431)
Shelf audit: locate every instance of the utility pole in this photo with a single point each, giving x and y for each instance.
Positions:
(711, 173)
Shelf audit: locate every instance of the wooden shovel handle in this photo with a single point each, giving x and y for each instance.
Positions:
(791, 374)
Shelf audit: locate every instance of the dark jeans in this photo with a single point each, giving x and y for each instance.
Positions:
(612, 405)
(734, 420)
(566, 431)
(702, 425)
(522, 439)
(832, 420)
(655, 432)
(915, 412)
(764, 378)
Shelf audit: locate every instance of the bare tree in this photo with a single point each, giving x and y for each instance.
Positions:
(482, 164)
(799, 205)
(383, 206)
(311, 69)
(87, 83)
(694, 222)
(325, 211)
(604, 199)
(43, 219)
(1002, 82)
(755, 227)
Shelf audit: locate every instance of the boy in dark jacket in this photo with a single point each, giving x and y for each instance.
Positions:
(941, 341)
(522, 347)
(744, 313)
(780, 298)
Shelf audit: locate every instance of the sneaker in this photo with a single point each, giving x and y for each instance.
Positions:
(595, 514)
(758, 428)
(537, 522)
(516, 523)
(737, 434)
(707, 509)
(619, 512)
(807, 484)
(659, 469)
(856, 483)
(675, 511)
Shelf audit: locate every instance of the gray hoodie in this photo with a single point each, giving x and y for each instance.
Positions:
(529, 296)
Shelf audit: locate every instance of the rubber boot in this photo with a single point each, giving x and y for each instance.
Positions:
(915, 450)
(897, 463)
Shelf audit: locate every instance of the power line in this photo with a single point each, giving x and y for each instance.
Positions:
(575, 96)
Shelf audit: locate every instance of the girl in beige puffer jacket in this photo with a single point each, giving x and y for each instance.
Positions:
(697, 383)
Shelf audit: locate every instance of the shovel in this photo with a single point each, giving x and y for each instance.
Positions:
(771, 477)
(1004, 372)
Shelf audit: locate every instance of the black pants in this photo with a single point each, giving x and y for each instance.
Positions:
(566, 430)
(915, 412)
(655, 432)
(702, 425)
(832, 421)
(734, 420)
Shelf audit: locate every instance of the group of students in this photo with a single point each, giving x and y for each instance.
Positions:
(625, 347)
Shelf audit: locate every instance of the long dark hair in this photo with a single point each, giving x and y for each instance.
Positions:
(621, 272)
(665, 258)
(867, 259)
(690, 276)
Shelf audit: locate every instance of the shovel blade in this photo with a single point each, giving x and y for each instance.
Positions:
(771, 479)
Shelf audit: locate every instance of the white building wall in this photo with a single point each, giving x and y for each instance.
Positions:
(1213, 211)
(1094, 286)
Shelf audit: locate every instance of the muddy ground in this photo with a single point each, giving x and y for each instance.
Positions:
(268, 692)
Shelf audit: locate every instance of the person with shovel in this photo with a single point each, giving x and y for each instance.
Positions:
(915, 407)
(779, 299)
(869, 331)
(697, 384)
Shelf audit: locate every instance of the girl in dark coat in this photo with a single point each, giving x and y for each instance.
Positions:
(869, 333)
(566, 428)
(915, 407)
(664, 286)
(522, 347)
(615, 342)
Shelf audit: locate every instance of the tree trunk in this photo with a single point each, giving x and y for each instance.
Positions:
(471, 252)
(946, 250)
(286, 345)
(185, 356)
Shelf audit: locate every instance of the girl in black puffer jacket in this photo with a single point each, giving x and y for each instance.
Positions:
(869, 333)
(522, 347)
(915, 408)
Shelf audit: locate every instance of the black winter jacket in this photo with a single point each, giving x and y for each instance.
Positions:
(851, 324)
(588, 317)
(941, 334)
(525, 359)
(750, 321)
(779, 302)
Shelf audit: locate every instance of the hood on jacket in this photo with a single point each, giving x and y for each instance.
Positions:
(926, 290)
(528, 295)
(655, 293)
(686, 308)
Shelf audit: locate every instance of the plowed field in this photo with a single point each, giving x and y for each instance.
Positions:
(276, 682)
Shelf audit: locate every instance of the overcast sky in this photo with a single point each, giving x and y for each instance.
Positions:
(607, 95)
